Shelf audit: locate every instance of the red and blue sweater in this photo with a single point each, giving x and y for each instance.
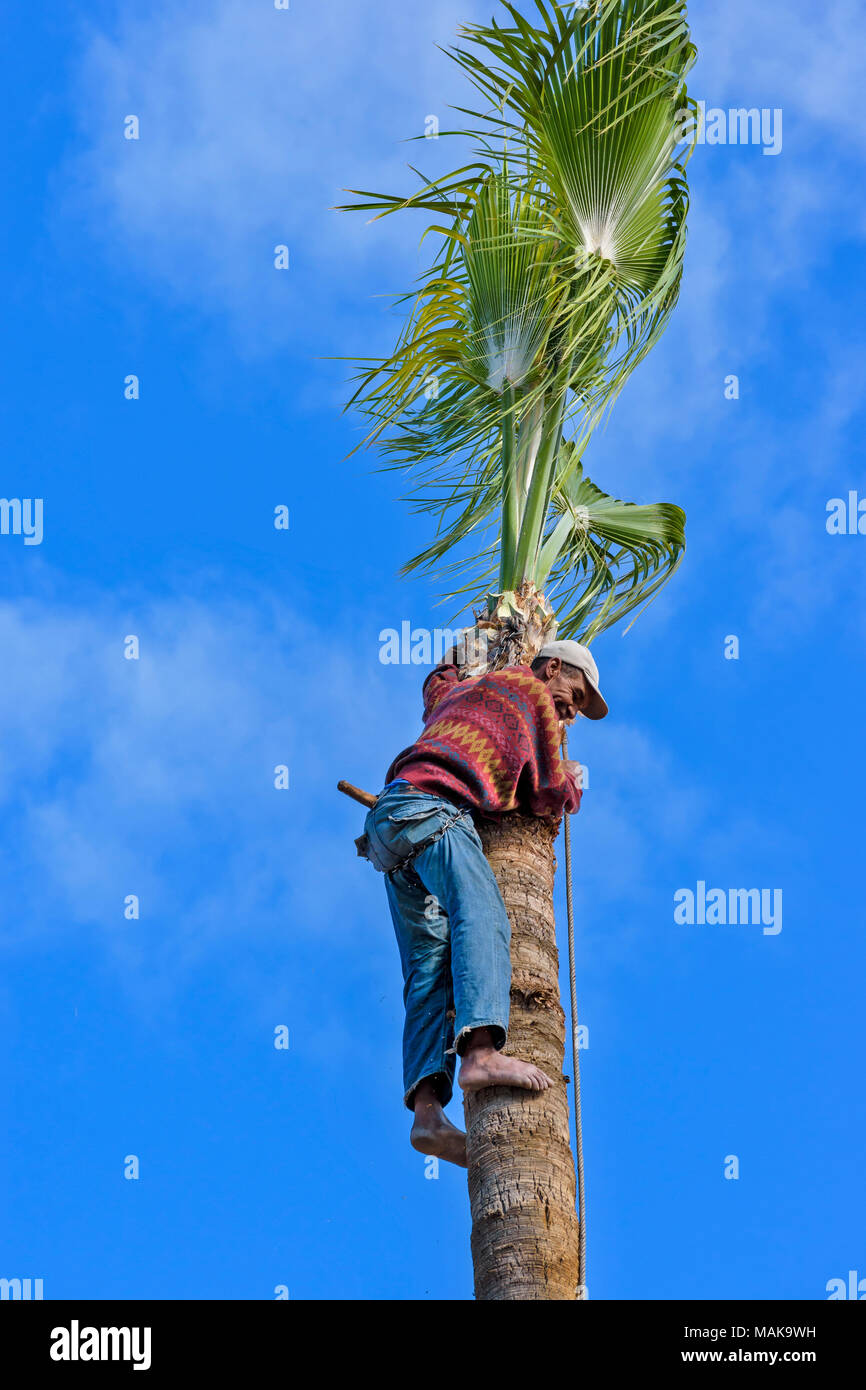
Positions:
(491, 742)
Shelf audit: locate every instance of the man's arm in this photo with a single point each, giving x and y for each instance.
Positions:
(556, 794)
(549, 784)
(574, 776)
(440, 681)
(573, 770)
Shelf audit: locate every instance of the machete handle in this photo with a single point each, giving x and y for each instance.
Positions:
(366, 798)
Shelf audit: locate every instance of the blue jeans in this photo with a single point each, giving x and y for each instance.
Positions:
(452, 930)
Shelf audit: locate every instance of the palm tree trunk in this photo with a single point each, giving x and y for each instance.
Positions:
(521, 1170)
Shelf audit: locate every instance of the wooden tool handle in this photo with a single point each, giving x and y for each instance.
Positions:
(365, 798)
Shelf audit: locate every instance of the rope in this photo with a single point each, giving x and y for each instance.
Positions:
(575, 1052)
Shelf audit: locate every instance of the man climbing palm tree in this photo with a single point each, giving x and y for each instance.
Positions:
(490, 745)
(558, 262)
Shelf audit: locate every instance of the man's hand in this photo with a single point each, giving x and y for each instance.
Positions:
(456, 656)
(574, 769)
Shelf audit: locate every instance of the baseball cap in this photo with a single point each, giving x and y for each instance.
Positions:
(575, 654)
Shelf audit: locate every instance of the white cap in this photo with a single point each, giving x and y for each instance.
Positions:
(575, 654)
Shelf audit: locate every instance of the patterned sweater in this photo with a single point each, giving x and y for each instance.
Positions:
(491, 742)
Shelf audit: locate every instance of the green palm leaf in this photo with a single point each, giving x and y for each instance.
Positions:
(560, 253)
(604, 558)
(596, 95)
(511, 286)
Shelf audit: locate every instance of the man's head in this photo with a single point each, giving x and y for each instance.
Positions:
(571, 675)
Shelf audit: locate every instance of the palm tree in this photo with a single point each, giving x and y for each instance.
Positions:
(559, 257)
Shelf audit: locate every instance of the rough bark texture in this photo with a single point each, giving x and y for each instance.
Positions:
(521, 1169)
(512, 632)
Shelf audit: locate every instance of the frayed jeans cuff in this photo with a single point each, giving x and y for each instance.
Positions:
(444, 1088)
(498, 1029)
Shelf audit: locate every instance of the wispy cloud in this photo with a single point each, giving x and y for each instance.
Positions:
(155, 777)
(765, 239)
(776, 54)
(252, 122)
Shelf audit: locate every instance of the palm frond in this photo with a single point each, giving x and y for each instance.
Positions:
(559, 256)
(604, 558)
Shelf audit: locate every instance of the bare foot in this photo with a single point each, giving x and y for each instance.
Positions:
(433, 1133)
(484, 1066)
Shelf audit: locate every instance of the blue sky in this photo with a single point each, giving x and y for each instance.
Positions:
(155, 1037)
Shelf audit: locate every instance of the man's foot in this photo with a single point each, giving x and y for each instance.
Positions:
(484, 1066)
(432, 1131)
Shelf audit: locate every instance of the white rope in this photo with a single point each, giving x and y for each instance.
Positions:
(575, 1054)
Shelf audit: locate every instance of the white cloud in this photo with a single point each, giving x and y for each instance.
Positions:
(647, 820)
(254, 119)
(252, 122)
(155, 777)
(765, 235)
(809, 62)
